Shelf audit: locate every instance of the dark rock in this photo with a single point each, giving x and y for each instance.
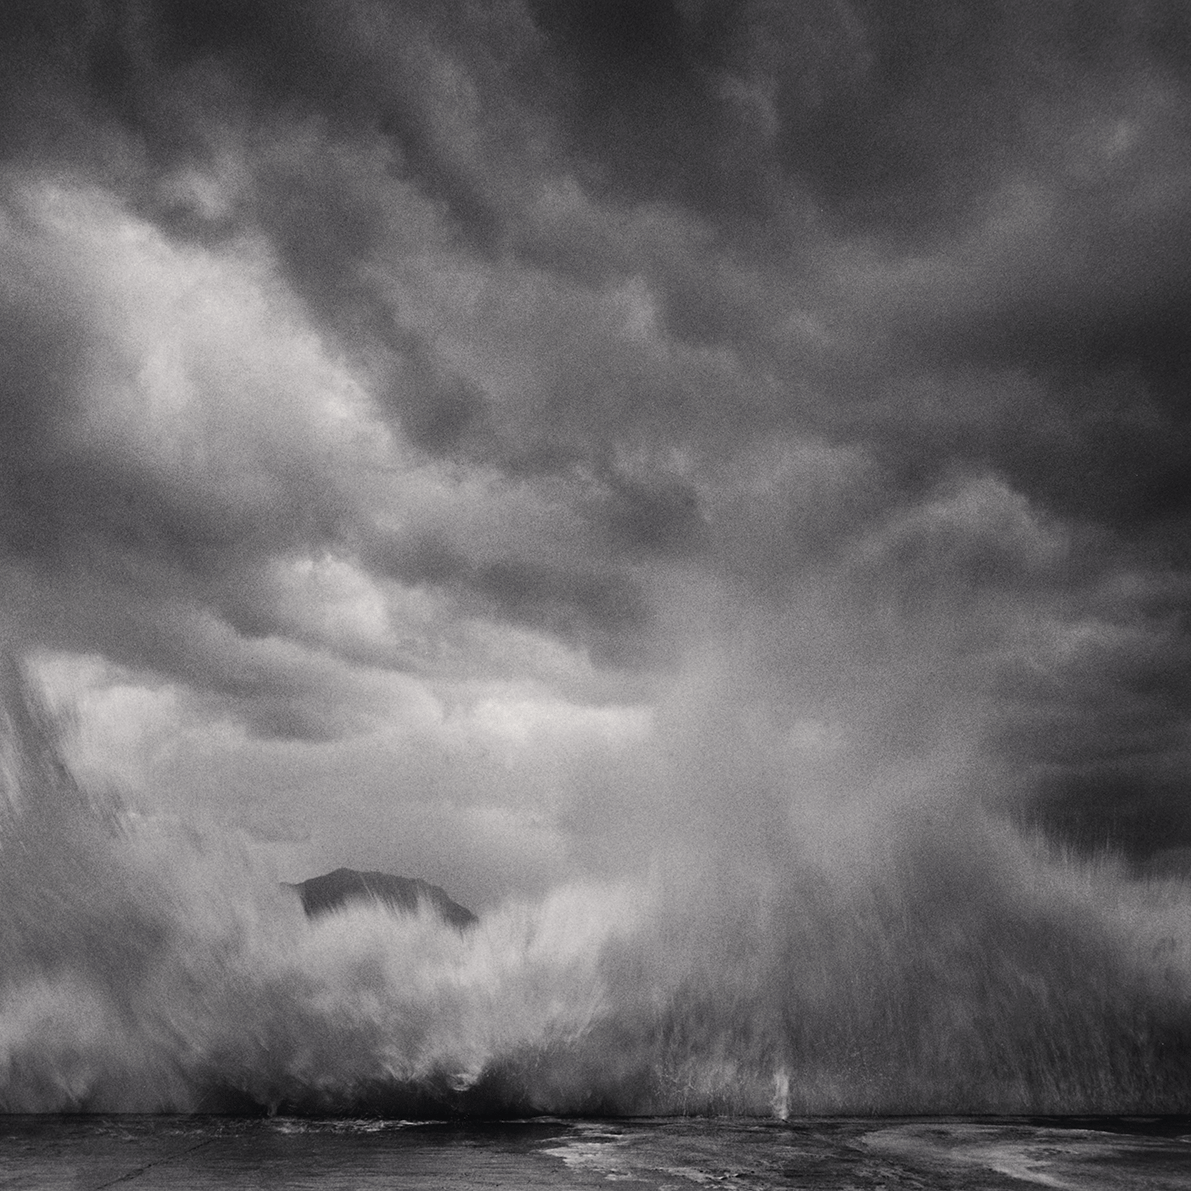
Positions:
(325, 894)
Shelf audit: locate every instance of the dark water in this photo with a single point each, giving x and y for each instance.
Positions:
(201, 1152)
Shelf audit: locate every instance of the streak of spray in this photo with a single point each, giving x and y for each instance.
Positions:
(948, 965)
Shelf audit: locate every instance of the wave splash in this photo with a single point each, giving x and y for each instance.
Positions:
(949, 966)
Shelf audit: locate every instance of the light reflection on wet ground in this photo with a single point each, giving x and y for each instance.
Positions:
(675, 1155)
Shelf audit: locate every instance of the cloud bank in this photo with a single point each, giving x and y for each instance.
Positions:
(497, 442)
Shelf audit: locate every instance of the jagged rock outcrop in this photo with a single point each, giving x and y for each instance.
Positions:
(322, 895)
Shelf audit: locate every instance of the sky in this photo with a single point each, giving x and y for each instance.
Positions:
(503, 442)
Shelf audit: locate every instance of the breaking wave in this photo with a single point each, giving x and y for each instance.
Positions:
(947, 966)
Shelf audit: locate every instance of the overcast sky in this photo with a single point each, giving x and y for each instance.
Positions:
(494, 441)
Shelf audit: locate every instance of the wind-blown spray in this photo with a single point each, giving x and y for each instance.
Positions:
(947, 966)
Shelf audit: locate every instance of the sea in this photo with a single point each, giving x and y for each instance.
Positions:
(666, 1154)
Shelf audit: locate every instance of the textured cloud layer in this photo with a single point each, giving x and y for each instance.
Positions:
(424, 423)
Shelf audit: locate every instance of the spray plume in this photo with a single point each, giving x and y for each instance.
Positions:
(924, 961)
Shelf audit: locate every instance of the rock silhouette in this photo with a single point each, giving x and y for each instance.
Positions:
(325, 894)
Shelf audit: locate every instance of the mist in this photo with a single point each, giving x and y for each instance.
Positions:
(910, 954)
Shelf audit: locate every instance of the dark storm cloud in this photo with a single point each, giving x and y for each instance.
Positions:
(638, 100)
(604, 611)
(112, 537)
(42, 353)
(1063, 307)
(657, 519)
(608, 612)
(163, 83)
(1093, 717)
(874, 312)
(893, 119)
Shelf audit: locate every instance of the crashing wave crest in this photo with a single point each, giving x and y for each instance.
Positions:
(948, 966)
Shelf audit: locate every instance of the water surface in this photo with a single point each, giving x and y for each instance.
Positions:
(674, 1154)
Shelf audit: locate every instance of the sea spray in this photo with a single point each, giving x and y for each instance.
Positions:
(933, 960)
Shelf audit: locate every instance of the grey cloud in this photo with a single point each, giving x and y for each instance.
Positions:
(127, 554)
(920, 250)
(42, 353)
(894, 119)
(605, 611)
(656, 519)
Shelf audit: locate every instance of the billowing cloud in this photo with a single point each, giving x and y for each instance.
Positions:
(534, 426)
